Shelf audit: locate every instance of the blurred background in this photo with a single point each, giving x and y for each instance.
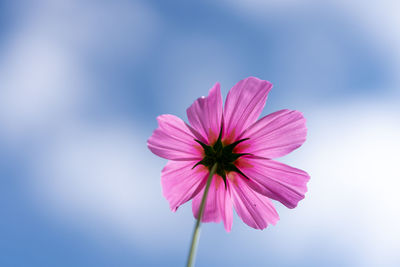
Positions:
(81, 84)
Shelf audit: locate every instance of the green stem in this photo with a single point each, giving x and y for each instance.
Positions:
(196, 232)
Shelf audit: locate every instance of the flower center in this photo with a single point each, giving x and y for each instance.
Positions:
(223, 155)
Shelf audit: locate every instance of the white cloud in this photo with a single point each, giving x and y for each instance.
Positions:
(41, 82)
(98, 176)
(381, 20)
(45, 76)
(378, 21)
(103, 29)
(351, 155)
(102, 180)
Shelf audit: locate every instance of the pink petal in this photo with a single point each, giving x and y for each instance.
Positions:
(253, 208)
(225, 205)
(173, 140)
(243, 106)
(180, 182)
(218, 204)
(275, 135)
(205, 115)
(275, 180)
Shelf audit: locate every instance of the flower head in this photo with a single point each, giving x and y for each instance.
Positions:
(247, 177)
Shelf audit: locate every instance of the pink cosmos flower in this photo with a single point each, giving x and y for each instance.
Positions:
(247, 177)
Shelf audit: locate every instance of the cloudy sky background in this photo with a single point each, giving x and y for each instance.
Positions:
(81, 83)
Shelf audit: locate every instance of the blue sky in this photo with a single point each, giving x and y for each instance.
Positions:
(83, 81)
